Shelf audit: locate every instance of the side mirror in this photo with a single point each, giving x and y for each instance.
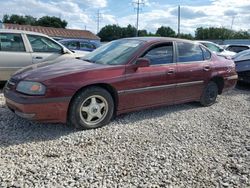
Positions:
(143, 62)
(65, 51)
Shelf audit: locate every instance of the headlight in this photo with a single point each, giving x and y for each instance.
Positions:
(31, 88)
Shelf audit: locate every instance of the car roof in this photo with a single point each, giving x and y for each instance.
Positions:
(21, 31)
(241, 45)
(159, 39)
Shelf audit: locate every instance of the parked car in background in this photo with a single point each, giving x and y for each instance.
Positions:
(22, 48)
(217, 49)
(236, 47)
(121, 76)
(242, 62)
(79, 44)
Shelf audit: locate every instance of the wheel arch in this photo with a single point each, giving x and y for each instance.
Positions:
(108, 87)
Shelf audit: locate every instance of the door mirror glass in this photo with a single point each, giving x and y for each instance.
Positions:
(143, 62)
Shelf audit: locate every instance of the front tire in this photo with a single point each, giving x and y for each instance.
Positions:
(91, 108)
(209, 94)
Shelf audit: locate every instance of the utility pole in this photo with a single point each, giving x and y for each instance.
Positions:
(179, 20)
(138, 4)
(98, 18)
(232, 22)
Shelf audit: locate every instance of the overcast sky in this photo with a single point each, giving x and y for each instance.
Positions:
(81, 13)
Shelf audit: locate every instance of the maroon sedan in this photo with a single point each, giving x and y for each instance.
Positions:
(122, 76)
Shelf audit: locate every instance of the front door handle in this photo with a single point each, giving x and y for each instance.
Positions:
(207, 68)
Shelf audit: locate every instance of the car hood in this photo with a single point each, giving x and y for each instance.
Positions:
(49, 70)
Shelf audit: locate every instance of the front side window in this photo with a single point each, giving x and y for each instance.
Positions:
(43, 44)
(160, 55)
(11, 42)
(115, 52)
(189, 52)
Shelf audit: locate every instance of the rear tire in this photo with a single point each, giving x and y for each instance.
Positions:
(209, 94)
(92, 108)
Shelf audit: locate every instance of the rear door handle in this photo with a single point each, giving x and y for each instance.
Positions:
(171, 71)
(38, 57)
(207, 68)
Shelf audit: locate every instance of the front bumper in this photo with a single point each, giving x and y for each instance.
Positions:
(52, 110)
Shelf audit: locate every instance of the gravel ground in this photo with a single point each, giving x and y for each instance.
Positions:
(177, 146)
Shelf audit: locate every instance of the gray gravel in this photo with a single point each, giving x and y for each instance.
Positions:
(178, 146)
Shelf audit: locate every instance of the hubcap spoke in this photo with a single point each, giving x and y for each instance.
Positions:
(90, 117)
(85, 109)
(99, 115)
(93, 101)
(102, 105)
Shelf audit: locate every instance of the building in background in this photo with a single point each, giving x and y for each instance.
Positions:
(56, 33)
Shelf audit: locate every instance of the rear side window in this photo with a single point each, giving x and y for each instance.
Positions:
(11, 42)
(73, 45)
(160, 55)
(188, 52)
(86, 45)
(43, 44)
(206, 53)
(237, 49)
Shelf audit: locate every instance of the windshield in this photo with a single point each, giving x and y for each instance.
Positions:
(114, 53)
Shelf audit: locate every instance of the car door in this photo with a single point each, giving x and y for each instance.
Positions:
(153, 85)
(194, 69)
(44, 49)
(13, 54)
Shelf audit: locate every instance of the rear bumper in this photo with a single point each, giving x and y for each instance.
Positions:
(230, 82)
(52, 110)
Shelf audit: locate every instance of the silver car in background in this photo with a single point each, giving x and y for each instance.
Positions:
(217, 49)
(19, 49)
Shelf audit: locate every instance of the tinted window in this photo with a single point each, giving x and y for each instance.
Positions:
(73, 45)
(11, 42)
(43, 44)
(213, 47)
(188, 52)
(86, 45)
(160, 55)
(237, 49)
(206, 53)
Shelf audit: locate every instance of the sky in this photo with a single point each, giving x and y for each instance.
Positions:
(81, 14)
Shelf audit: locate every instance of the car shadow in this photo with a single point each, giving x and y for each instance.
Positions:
(243, 86)
(15, 130)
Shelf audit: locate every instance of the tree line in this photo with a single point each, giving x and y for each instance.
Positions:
(45, 21)
(112, 32)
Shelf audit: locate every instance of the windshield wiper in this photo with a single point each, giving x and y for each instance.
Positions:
(88, 60)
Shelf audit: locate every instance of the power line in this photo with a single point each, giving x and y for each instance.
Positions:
(138, 4)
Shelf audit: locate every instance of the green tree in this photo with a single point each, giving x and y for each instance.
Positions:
(142, 33)
(48, 21)
(186, 36)
(45, 21)
(110, 32)
(165, 32)
(128, 31)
